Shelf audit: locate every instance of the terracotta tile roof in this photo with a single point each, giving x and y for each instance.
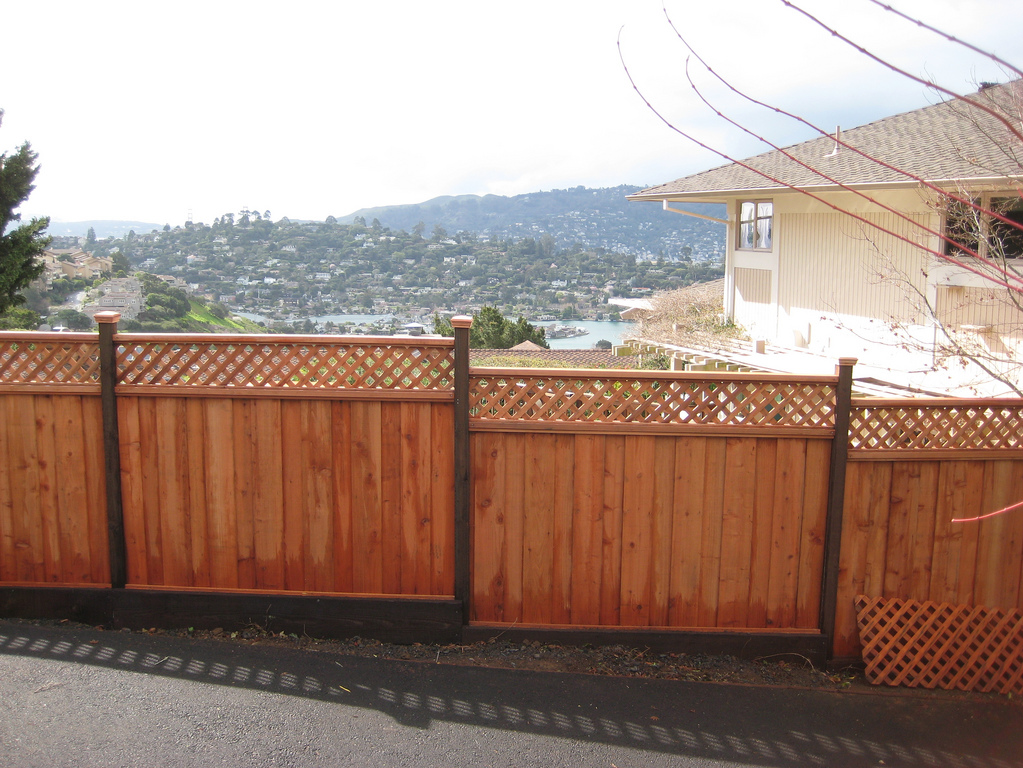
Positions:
(542, 358)
(947, 141)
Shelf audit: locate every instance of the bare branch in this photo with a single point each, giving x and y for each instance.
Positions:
(888, 65)
(951, 38)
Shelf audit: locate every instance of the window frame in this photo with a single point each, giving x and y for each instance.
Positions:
(755, 221)
(986, 227)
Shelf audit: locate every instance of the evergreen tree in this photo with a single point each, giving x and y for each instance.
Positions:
(20, 245)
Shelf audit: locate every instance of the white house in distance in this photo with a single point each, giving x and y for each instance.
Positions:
(839, 261)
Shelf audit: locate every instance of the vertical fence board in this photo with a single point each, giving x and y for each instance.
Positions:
(151, 491)
(23, 465)
(296, 455)
(442, 500)
(8, 569)
(390, 497)
(637, 530)
(222, 527)
(343, 511)
(246, 467)
(417, 522)
(132, 493)
(173, 491)
(367, 521)
(687, 530)
(710, 550)
(269, 497)
(94, 469)
(611, 549)
(514, 529)
(317, 494)
(538, 529)
(999, 543)
(812, 532)
(563, 522)
(488, 515)
(587, 528)
(72, 498)
(46, 489)
(763, 531)
(790, 477)
(663, 524)
(736, 532)
(198, 514)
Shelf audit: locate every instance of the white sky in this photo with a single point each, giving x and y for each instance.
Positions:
(149, 110)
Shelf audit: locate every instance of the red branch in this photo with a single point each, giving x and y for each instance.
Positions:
(838, 139)
(989, 514)
(969, 252)
(888, 65)
(787, 185)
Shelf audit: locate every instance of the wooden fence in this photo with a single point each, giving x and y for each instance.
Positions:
(380, 486)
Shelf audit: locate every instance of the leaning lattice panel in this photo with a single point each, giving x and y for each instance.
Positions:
(218, 363)
(50, 359)
(939, 645)
(917, 424)
(598, 398)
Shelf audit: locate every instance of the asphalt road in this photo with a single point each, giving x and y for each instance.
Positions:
(82, 697)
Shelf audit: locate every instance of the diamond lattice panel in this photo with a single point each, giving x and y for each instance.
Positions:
(613, 399)
(49, 362)
(285, 365)
(912, 426)
(939, 645)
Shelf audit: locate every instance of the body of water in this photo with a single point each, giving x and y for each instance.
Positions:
(612, 331)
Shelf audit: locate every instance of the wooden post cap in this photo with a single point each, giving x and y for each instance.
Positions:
(107, 317)
(461, 321)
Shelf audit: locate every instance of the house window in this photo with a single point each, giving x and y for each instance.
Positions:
(985, 235)
(756, 225)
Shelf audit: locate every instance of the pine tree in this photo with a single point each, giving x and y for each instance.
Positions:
(20, 244)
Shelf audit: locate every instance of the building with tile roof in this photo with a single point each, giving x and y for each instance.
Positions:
(835, 246)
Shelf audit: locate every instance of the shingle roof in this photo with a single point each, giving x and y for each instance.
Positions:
(942, 142)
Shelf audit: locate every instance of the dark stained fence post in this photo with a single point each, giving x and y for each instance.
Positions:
(112, 447)
(836, 500)
(462, 324)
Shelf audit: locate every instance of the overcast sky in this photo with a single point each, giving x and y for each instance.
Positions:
(151, 110)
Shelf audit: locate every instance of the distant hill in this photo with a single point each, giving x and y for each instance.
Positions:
(104, 228)
(595, 218)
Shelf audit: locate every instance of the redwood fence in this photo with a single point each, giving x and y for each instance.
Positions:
(379, 486)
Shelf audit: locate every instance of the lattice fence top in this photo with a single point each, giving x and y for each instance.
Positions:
(66, 359)
(938, 645)
(616, 397)
(935, 424)
(215, 363)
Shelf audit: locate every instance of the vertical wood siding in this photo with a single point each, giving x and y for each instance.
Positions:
(349, 496)
(648, 531)
(898, 538)
(53, 525)
(871, 274)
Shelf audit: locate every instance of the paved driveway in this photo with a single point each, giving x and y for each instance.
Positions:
(73, 697)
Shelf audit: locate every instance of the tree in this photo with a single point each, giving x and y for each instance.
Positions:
(21, 245)
(492, 330)
(75, 320)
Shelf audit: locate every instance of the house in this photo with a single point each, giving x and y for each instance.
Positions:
(846, 257)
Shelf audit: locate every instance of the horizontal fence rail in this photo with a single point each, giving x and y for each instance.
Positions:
(49, 358)
(934, 427)
(502, 397)
(305, 364)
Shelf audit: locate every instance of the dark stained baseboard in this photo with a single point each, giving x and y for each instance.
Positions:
(386, 619)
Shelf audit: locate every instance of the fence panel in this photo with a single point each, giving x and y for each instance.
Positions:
(899, 539)
(680, 531)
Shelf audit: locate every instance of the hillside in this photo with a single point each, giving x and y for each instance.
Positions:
(592, 218)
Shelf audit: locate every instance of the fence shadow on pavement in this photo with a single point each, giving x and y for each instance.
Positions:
(750, 726)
